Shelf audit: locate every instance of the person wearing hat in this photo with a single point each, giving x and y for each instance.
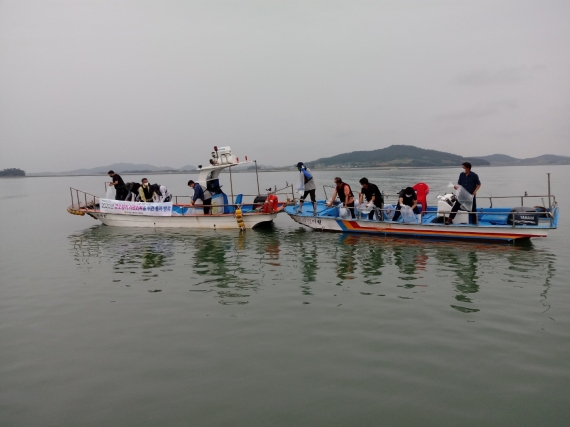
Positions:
(119, 184)
(409, 198)
(310, 187)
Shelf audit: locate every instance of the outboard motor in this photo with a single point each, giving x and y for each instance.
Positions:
(523, 215)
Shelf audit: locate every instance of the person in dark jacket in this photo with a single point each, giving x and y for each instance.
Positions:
(119, 184)
(200, 194)
(470, 181)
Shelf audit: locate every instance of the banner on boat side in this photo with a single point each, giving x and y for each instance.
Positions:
(135, 208)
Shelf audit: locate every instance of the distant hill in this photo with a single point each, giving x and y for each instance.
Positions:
(11, 172)
(188, 168)
(396, 155)
(546, 159)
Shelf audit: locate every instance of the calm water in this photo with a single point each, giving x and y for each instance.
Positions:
(103, 326)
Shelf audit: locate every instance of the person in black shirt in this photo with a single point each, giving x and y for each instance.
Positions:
(470, 181)
(119, 185)
(409, 198)
(372, 194)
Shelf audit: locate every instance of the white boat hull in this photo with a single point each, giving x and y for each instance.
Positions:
(221, 222)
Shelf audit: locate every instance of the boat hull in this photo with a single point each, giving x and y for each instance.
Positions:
(429, 231)
(222, 222)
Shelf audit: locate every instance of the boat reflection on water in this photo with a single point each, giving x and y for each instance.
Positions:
(306, 251)
(145, 252)
(234, 267)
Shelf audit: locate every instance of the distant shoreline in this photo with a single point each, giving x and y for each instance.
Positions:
(284, 170)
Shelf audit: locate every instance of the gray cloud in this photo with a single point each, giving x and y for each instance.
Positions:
(509, 75)
(478, 111)
(89, 83)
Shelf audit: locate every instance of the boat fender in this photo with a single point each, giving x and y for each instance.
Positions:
(239, 219)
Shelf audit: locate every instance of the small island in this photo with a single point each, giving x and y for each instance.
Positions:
(11, 172)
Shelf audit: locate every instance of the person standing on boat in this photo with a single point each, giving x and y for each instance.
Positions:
(145, 193)
(310, 187)
(200, 194)
(372, 194)
(470, 181)
(344, 193)
(407, 197)
(119, 185)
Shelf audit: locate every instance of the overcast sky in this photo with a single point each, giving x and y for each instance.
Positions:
(89, 83)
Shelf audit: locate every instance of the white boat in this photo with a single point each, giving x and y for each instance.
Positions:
(491, 224)
(238, 214)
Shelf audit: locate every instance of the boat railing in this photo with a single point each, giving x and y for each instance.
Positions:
(514, 221)
(277, 192)
(550, 197)
(82, 200)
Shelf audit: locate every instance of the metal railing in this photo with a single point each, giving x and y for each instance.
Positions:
(82, 200)
(277, 192)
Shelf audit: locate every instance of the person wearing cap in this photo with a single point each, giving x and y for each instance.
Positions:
(119, 184)
(372, 194)
(310, 187)
(409, 198)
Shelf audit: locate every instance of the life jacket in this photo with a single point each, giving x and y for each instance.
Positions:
(340, 192)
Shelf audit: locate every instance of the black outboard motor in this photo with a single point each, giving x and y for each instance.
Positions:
(522, 215)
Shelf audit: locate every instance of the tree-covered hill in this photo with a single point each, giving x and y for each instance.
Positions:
(395, 155)
(12, 172)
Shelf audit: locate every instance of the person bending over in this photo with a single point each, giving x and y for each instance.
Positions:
(344, 193)
(200, 194)
(407, 197)
(133, 191)
(372, 194)
(160, 193)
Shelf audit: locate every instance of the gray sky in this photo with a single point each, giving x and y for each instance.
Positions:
(89, 83)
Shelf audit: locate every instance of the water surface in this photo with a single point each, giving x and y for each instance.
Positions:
(278, 326)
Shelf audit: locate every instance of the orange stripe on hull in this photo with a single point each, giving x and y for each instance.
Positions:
(354, 226)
